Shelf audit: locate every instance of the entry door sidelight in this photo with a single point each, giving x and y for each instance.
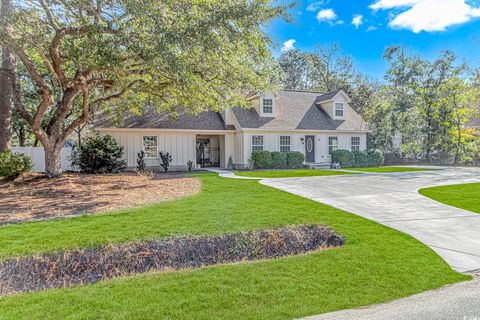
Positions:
(309, 148)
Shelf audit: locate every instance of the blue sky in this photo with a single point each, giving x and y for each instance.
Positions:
(429, 26)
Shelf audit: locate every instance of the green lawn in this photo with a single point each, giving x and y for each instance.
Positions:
(463, 196)
(377, 264)
(389, 169)
(289, 173)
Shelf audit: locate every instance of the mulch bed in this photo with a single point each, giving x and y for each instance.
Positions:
(35, 197)
(78, 267)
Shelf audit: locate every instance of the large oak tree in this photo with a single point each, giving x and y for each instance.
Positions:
(86, 54)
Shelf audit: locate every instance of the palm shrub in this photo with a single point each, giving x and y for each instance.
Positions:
(190, 165)
(12, 165)
(279, 160)
(99, 154)
(262, 159)
(344, 158)
(141, 165)
(165, 160)
(295, 160)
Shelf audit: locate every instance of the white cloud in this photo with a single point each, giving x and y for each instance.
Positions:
(357, 20)
(314, 6)
(288, 45)
(390, 4)
(371, 28)
(326, 15)
(428, 15)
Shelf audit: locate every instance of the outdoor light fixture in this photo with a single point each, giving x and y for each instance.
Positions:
(303, 140)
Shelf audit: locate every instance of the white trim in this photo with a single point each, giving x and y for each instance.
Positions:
(335, 111)
(143, 145)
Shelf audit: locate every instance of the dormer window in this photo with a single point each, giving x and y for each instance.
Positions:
(267, 106)
(339, 110)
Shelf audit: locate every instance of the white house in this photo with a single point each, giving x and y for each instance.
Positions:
(309, 122)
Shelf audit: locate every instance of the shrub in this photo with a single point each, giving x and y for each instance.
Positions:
(359, 158)
(295, 159)
(230, 162)
(12, 165)
(141, 165)
(98, 154)
(279, 160)
(189, 165)
(344, 158)
(165, 159)
(375, 158)
(262, 159)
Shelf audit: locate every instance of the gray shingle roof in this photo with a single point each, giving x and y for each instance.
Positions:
(208, 120)
(298, 110)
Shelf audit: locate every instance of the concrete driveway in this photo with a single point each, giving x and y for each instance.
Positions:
(393, 200)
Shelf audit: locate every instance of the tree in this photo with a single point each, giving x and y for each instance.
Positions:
(7, 78)
(298, 70)
(117, 54)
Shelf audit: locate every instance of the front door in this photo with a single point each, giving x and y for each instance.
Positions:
(309, 148)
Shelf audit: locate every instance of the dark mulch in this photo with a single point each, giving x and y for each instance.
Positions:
(95, 264)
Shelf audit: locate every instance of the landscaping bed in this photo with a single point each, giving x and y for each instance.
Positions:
(106, 262)
(35, 197)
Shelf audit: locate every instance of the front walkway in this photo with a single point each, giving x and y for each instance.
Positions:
(393, 200)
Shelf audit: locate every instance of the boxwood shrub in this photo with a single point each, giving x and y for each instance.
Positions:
(343, 157)
(262, 159)
(368, 158)
(295, 159)
(277, 160)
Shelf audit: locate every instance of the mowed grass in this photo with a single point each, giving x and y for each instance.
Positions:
(377, 264)
(289, 173)
(389, 169)
(463, 196)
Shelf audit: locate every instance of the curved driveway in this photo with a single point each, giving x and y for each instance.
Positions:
(393, 200)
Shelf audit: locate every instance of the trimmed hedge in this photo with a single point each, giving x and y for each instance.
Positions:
(277, 160)
(358, 159)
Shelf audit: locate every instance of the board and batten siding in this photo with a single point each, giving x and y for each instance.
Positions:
(271, 142)
(182, 146)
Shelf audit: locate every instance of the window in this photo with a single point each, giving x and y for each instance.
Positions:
(339, 110)
(332, 144)
(284, 143)
(267, 106)
(150, 146)
(355, 144)
(257, 143)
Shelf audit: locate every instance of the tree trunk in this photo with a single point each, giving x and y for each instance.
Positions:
(7, 74)
(53, 160)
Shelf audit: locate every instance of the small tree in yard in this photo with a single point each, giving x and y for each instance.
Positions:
(165, 159)
(99, 155)
(124, 55)
(141, 165)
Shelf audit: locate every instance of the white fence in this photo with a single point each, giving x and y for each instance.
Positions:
(38, 157)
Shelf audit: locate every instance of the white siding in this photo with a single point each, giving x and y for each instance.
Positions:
(181, 146)
(271, 142)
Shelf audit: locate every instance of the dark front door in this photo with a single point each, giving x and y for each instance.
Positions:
(309, 148)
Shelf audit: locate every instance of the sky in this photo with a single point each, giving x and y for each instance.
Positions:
(363, 28)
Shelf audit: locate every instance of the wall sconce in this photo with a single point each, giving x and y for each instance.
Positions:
(302, 140)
